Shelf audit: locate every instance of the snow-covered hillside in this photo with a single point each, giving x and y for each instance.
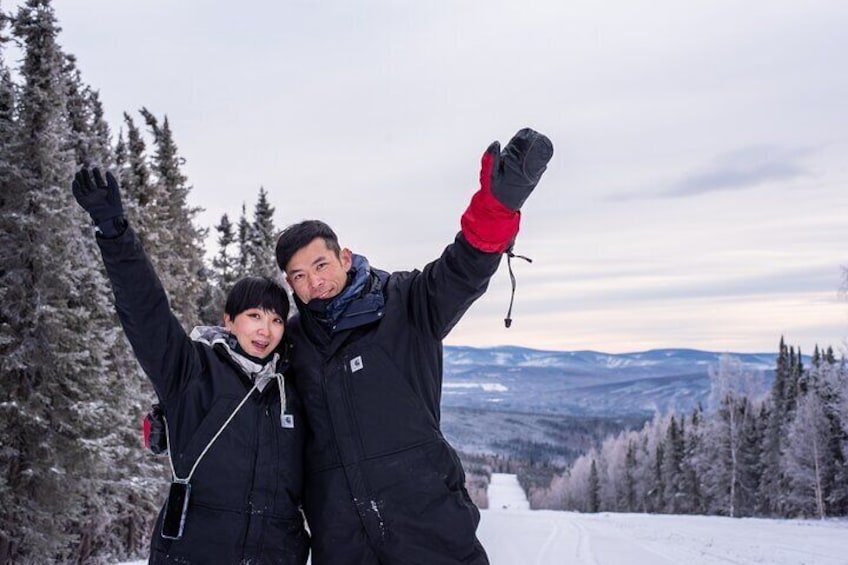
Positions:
(514, 535)
(587, 383)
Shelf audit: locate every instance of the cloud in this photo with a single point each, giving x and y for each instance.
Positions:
(742, 169)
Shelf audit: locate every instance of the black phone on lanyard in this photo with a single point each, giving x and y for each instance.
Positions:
(175, 510)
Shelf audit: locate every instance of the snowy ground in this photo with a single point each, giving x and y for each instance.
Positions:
(515, 535)
(506, 494)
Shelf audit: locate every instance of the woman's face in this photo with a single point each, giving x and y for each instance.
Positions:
(258, 331)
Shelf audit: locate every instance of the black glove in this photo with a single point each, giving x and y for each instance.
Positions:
(101, 199)
(517, 169)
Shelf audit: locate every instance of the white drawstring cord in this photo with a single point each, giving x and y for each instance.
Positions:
(286, 420)
(208, 445)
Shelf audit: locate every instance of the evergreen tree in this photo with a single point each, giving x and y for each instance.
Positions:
(74, 482)
(750, 459)
(261, 239)
(774, 485)
(244, 237)
(226, 266)
(674, 449)
(826, 385)
(594, 489)
(841, 404)
(55, 385)
(11, 271)
(223, 274)
(138, 193)
(182, 269)
(656, 496)
(89, 132)
(131, 487)
(690, 481)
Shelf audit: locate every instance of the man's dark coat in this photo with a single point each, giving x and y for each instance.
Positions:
(382, 484)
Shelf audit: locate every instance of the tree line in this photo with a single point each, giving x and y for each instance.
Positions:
(778, 454)
(75, 483)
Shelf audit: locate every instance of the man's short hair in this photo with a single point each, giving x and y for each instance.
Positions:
(257, 292)
(297, 236)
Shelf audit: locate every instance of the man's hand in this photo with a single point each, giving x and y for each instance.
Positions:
(101, 199)
(513, 173)
(490, 223)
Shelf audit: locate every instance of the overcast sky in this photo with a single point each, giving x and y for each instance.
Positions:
(697, 194)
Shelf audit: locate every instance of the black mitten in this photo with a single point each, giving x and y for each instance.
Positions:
(517, 169)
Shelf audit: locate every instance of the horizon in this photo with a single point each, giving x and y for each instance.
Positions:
(603, 352)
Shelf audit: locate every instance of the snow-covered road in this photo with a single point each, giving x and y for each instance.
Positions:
(529, 537)
(517, 537)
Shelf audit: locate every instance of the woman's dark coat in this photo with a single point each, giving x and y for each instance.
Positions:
(246, 491)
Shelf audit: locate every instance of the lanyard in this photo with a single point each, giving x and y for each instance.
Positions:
(208, 445)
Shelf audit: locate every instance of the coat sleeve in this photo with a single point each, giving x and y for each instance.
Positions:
(442, 292)
(160, 343)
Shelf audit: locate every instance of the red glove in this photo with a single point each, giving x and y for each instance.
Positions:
(507, 178)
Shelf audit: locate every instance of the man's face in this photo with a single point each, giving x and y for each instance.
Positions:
(315, 271)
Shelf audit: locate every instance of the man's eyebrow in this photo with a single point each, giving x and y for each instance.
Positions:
(319, 259)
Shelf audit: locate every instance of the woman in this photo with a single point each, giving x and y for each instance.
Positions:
(234, 429)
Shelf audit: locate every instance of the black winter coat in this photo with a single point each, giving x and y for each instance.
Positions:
(382, 484)
(246, 491)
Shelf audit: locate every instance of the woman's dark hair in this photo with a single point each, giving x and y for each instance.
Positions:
(297, 236)
(257, 292)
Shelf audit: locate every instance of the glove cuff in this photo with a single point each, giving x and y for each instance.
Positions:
(111, 228)
(488, 225)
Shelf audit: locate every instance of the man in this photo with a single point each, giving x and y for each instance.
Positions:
(382, 484)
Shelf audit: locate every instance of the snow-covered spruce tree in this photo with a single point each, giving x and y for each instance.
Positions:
(55, 384)
(262, 239)
(244, 237)
(180, 266)
(815, 459)
(130, 489)
(141, 201)
(224, 270)
(690, 482)
(751, 459)
(648, 456)
(629, 478)
(774, 485)
(224, 262)
(89, 132)
(151, 210)
(831, 388)
(674, 449)
(841, 408)
(594, 489)
(11, 205)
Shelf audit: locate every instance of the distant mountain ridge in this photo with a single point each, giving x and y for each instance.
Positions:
(585, 383)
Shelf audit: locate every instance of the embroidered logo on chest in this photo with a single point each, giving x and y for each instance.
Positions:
(356, 364)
